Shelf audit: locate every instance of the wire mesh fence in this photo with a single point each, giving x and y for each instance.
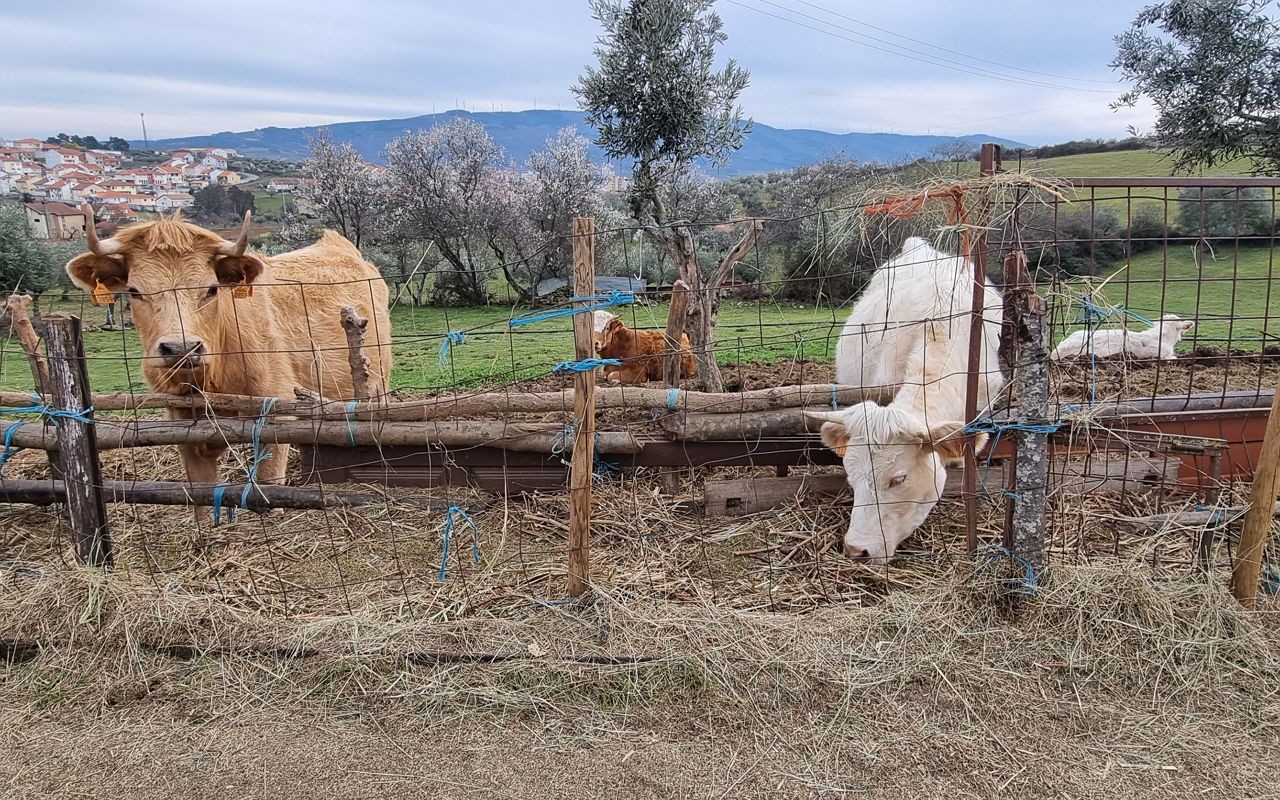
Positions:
(735, 498)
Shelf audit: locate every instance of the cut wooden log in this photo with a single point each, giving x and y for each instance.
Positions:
(167, 493)
(538, 438)
(491, 403)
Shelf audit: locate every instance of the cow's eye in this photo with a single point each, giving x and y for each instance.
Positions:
(134, 293)
(213, 291)
(897, 480)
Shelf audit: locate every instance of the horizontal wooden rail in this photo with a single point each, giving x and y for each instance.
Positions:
(487, 403)
(537, 438)
(166, 493)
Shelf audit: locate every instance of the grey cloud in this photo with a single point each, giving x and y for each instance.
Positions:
(239, 64)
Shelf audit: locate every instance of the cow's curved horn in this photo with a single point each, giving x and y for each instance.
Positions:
(237, 247)
(108, 248)
(825, 416)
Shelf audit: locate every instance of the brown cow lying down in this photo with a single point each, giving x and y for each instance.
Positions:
(640, 352)
(198, 336)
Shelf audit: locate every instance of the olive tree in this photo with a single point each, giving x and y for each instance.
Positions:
(1212, 69)
(656, 99)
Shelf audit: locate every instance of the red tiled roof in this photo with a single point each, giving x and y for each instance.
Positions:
(56, 209)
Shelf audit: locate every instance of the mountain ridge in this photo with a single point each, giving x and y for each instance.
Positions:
(521, 132)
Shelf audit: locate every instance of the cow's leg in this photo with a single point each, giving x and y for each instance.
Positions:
(273, 469)
(200, 461)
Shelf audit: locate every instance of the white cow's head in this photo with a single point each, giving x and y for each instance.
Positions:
(896, 463)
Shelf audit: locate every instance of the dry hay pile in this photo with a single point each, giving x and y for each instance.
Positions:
(1106, 680)
(742, 654)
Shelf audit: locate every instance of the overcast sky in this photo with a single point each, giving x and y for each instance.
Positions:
(90, 67)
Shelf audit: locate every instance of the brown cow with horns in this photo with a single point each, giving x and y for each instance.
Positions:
(216, 317)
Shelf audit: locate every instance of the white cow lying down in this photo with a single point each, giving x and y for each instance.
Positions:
(909, 329)
(1157, 341)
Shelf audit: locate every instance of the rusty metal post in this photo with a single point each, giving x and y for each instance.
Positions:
(989, 165)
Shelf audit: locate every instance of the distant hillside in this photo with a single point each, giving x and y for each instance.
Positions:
(522, 132)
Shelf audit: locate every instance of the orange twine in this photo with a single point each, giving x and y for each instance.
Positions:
(904, 207)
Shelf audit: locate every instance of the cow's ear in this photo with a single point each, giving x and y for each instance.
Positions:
(947, 440)
(87, 270)
(835, 436)
(238, 269)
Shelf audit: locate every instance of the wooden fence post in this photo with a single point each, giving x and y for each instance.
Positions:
(581, 466)
(77, 440)
(19, 308)
(676, 316)
(354, 325)
(1026, 358)
(1257, 520)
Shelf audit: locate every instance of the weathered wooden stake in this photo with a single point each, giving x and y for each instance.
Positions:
(77, 440)
(676, 316)
(581, 470)
(1257, 520)
(354, 326)
(19, 308)
(1024, 535)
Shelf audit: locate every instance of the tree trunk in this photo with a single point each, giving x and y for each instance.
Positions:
(704, 296)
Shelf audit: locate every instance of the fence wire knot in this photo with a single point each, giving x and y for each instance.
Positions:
(451, 338)
(448, 538)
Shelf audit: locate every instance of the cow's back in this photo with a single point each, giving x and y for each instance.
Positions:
(310, 288)
(889, 321)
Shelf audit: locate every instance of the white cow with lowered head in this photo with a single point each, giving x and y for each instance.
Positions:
(910, 329)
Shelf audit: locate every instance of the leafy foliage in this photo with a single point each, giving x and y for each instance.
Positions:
(26, 263)
(1214, 76)
(1221, 213)
(655, 96)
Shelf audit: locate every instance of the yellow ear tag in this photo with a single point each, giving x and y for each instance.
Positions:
(102, 296)
(242, 290)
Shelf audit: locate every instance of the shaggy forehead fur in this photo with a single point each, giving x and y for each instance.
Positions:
(168, 234)
(868, 423)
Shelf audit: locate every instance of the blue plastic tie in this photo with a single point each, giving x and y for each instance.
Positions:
(673, 398)
(351, 424)
(9, 449)
(1030, 583)
(602, 470)
(218, 492)
(38, 407)
(259, 454)
(597, 301)
(835, 398)
(585, 365)
(451, 338)
(561, 440)
(448, 538)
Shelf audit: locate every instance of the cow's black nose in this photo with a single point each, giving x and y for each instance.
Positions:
(173, 350)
